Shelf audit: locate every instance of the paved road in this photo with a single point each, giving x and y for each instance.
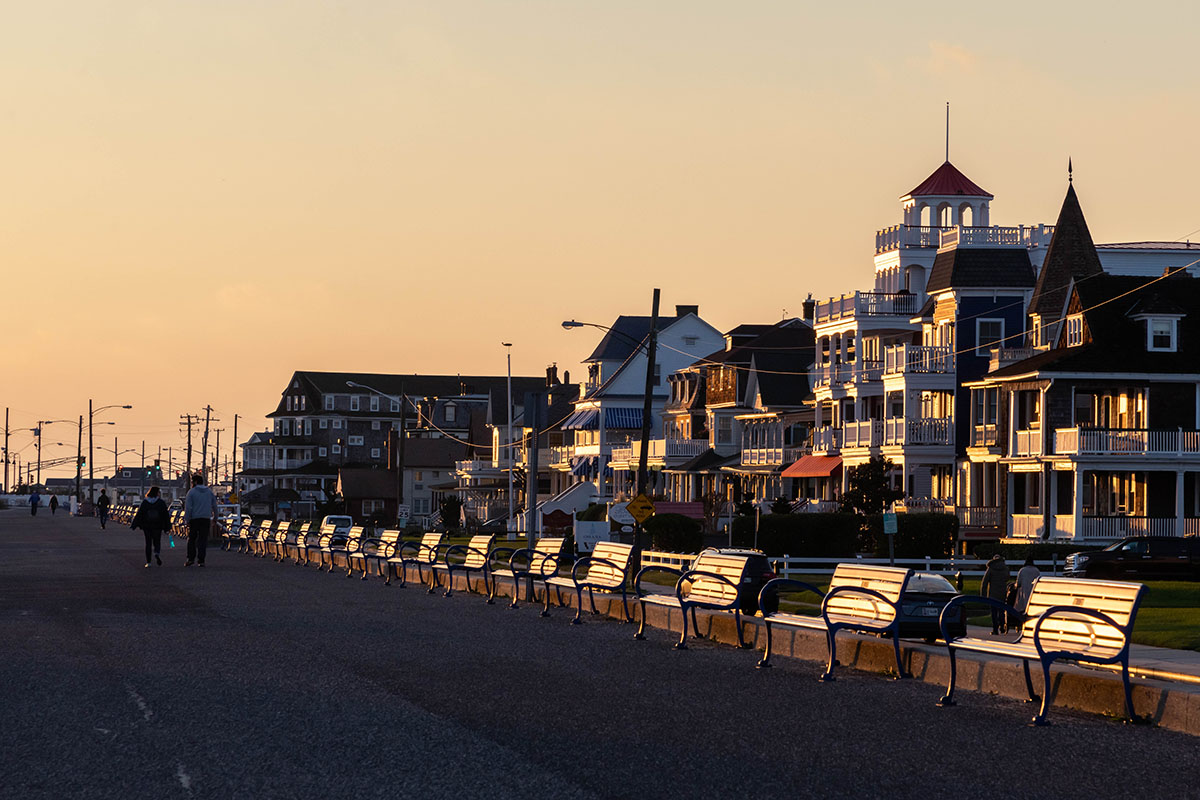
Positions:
(261, 680)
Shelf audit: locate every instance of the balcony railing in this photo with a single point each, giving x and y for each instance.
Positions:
(979, 516)
(661, 449)
(911, 358)
(770, 456)
(1028, 526)
(852, 372)
(1113, 441)
(827, 439)
(561, 454)
(481, 465)
(984, 436)
(868, 433)
(1003, 356)
(918, 431)
(1027, 443)
(1113, 528)
(997, 236)
(899, 236)
(900, 304)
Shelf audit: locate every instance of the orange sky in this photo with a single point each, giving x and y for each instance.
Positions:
(200, 198)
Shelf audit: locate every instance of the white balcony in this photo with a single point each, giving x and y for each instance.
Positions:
(979, 516)
(997, 236)
(661, 450)
(561, 454)
(869, 304)
(482, 465)
(1003, 356)
(917, 359)
(1130, 442)
(902, 236)
(1114, 528)
(984, 436)
(852, 372)
(868, 433)
(827, 439)
(1028, 526)
(770, 456)
(1027, 442)
(918, 431)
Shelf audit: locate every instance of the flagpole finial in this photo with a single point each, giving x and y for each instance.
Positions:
(1069, 170)
(947, 130)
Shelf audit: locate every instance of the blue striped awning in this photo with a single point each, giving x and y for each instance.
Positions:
(627, 418)
(583, 465)
(585, 419)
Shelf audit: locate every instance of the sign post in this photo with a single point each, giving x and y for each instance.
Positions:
(889, 528)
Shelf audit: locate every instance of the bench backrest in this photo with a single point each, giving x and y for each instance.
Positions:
(887, 581)
(727, 566)
(428, 551)
(355, 535)
(604, 574)
(328, 529)
(480, 546)
(389, 536)
(1117, 599)
(546, 550)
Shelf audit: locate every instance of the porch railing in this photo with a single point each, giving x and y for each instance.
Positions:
(1113, 528)
(868, 433)
(984, 436)
(919, 359)
(920, 431)
(1027, 443)
(978, 516)
(826, 438)
(1118, 441)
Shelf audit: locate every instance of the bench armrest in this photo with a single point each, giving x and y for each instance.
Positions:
(462, 549)
(1067, 612)
(587, 561)
(689, 574)
(863, 592)
(501, 552)
(637, 581)
(775, 584)
(964, 599)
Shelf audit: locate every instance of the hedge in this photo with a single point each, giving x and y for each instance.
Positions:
(813, 535)
(917, 535)
(1040, 551)
(675, 533)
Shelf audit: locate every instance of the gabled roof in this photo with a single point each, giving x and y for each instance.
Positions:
(624, 336)
(987, 267)
(314, 385)
(782, 378)
(947, 180)
(1071, 256)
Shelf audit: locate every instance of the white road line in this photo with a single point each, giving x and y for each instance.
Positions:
(140, 701)
(185, 780)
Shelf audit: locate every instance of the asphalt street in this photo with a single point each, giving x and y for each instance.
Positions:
(253, 679)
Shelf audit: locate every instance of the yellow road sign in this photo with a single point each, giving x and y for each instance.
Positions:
(641, 508)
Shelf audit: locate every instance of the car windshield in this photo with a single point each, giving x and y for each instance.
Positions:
(929, 582)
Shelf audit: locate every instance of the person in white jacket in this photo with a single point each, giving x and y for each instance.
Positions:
(200, 511)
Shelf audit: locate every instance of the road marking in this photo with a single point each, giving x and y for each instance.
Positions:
(140, 701)
(185, 780)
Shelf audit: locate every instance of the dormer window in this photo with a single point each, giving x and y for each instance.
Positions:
(1074, 330)
(1160, 335)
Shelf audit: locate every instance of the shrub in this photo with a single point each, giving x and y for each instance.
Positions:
(917, 535)
(595, 512)
(675, 533)
(781, 506)
(1040, 551)
(812, 535)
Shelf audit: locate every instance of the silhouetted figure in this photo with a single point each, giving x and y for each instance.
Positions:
(102, 507)
(35, 500)
(153, 519)
(53, 504)
(199, 509)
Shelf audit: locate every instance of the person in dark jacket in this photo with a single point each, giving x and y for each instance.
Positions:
(102, 507)
(995, 587)
(53, 504)
(153, 519)
(35, 500)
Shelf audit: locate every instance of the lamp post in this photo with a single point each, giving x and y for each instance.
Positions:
(91, 462)
(512, 534)
(117, 453)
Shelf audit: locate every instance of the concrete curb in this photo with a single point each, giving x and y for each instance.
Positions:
(1172, 706)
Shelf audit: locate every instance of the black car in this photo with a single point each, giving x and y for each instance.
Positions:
(1141, 557)
(921, 605)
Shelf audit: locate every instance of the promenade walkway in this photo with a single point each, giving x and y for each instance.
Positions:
(255, 679)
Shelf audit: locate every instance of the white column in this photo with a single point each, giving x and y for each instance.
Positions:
(1077, 501)
(1009, 477)
(1179, 502)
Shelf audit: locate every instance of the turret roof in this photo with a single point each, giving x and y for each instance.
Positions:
(947, 180)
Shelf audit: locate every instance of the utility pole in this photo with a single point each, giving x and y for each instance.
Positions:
(534, 410)
(6, 487)
(188, 419)
(37, 433)
(91, 458)
(116, 466)
(508, 412)
(647, 403)
(142, 471)
(204, 445)
(233, 472)
(79, 466)
(217, 458)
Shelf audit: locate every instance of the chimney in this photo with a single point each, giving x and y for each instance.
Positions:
(552, 375)
(567, 377)
(810, 309)
(682, 310)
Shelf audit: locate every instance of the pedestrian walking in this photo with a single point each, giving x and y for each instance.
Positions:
(53, 504)
(200, 510)
(102, 508)
(994, 586)
(153, 519)
(1026, 575)
(35, 500)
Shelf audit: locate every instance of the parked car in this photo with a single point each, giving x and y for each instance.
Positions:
(1140, 557)
(921, 605)
(342, 522)
(758, 572)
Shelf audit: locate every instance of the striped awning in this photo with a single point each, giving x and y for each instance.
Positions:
(627, 418)
(585, 419)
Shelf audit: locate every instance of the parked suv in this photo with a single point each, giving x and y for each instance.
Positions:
(1143, 557)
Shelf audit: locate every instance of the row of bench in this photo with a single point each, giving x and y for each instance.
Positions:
(1079, 620)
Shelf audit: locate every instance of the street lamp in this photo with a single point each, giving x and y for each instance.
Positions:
(509, 448)
(117, 453)
(91, 466)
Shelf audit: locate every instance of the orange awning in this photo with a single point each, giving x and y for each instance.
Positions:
(813, 467)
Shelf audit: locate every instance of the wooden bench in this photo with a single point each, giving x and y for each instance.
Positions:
(236, 535)
(294, 545)
(340, 549)
(540, 563)
(423, 553)
(476, 556)
(606, 570)
(1071, 619)
(712, 582)
(375, 548)
(277, 543)
(324, 540)
(861, 598)
(257, 543)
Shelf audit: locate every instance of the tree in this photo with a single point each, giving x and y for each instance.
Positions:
(869, 487)
(451, 511)
(781, 506)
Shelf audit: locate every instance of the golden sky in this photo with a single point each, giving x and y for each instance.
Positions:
(201, 197)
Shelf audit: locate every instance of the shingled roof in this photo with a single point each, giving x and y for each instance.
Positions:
(1071, 256)
(1000, 267)
(947, 180)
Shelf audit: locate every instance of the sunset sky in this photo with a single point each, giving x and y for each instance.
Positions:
(201, 197)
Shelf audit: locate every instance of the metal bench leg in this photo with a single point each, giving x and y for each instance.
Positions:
(592, 601)
(486, 577)
(831, 638)
(1033, 698)
(546, 605)
(696, 625)
(1040, 719)
(765, 662)
(737, 621)
(948, 698)
(1133, 718)
(642, 625)
(624, 605)
(682, 643)
(516, 590)
(433, 580)
(900, 673)
(450, 582)
(578, 618)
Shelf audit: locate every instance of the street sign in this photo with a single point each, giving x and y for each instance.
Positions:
(889, 522)
(640, 508)
(617, 513)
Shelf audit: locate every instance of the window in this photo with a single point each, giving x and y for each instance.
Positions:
(374, 452)
(374, 424)
(124, 473)
(324, 423)
(451, 412)
(289, 403)
(1074, 330)
(690, 341)
(418, 476)
(355, 441)
(337, 423)
(395, 406)
(322, 452)
(303, 403)
(989, 334)
(371, 506)
(374, 403)
(1160, 335)
(308, 427)
(329, 402)
(337, 449)
(354, 402)
(421, 505)
(285, 427)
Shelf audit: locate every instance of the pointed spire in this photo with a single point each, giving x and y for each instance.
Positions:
(1069, 171)
(1070, 256)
